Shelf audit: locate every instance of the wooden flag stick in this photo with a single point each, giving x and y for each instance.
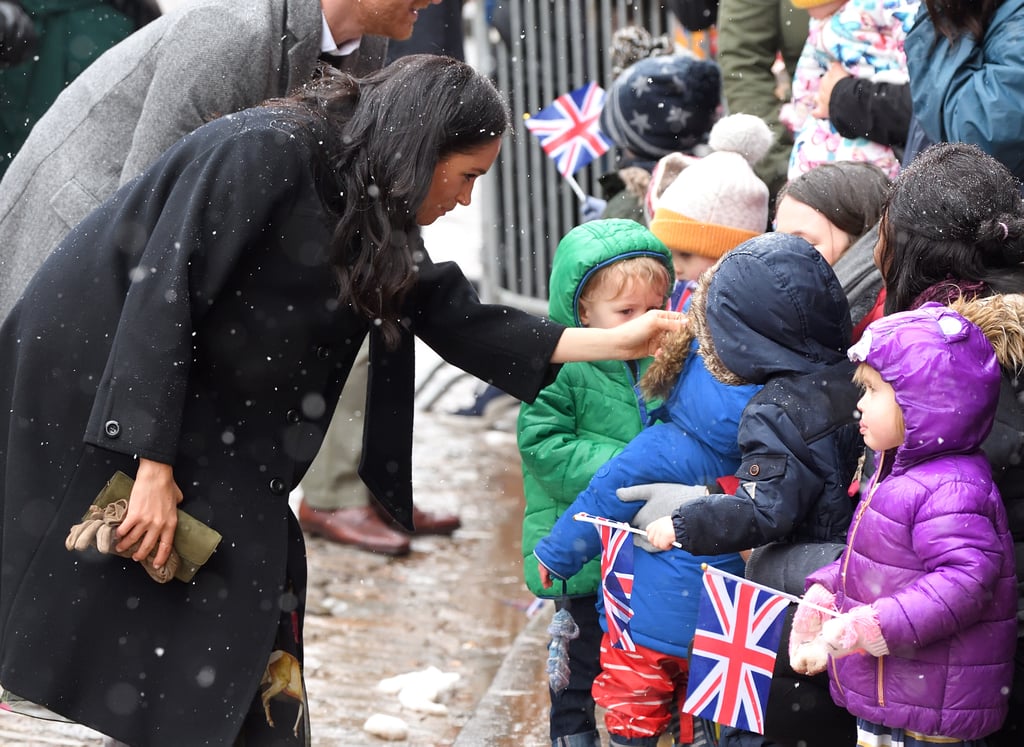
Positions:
(576, 187)
(591, 519)
(600, 521)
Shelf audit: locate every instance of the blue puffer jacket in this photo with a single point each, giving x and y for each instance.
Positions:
(930, 549)
(971, 91)
(694, 444)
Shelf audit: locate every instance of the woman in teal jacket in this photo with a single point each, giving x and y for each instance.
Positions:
(576, 424)
(966, 65)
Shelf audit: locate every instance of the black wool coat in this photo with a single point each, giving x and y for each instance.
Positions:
(192, 319)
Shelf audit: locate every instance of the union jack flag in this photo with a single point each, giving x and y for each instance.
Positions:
(739, 625)
(617, 584)
(568, 128)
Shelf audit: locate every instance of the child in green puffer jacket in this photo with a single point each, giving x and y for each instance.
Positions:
(604, 273)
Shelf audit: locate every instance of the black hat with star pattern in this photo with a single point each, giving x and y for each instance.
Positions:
(663, 104)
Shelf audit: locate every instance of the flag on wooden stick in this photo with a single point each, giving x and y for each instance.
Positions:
(739, 624)
(568, 129)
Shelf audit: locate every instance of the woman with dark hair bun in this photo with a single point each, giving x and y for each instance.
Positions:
(953, 228)
(953, 225)
(194, 332)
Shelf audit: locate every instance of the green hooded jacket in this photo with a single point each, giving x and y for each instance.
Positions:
(591, 410)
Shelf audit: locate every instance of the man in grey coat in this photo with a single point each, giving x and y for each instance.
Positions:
(205, 58)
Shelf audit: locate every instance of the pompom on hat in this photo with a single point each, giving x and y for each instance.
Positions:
(663, 104)
(718, 202)
(665, 171)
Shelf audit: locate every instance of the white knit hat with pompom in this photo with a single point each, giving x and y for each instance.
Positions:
(718, 202)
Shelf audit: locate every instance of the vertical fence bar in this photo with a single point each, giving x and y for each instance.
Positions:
(547, 48)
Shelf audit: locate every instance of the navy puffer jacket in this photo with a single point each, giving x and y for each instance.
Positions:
(772, 312)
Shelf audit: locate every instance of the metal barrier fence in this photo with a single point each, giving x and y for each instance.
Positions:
(537, 50)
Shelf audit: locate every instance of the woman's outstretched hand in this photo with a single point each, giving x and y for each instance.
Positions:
(644, 335)
(152, 513)
(637, 338)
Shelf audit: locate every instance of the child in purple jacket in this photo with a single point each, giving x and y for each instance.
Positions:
(926, 588)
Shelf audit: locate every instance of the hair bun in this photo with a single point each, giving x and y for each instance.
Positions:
(1001, 240)
(742, 133)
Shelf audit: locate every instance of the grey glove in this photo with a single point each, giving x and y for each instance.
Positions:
(661, 499)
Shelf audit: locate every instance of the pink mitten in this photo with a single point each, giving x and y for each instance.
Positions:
(856, 630)
(807, 620)
(810, 657)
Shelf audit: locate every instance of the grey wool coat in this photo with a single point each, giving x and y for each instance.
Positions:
(194, 319)
(204, 59)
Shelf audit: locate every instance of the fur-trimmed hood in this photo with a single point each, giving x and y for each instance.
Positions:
(1001, 318)
(945, 376)
(659, 379)
(771, 306)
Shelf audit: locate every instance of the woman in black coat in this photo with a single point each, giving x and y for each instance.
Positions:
(195, 332)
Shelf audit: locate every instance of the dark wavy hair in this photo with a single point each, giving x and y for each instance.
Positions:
(953, 216)
(952, 18)
(850, 194)
(382, 136)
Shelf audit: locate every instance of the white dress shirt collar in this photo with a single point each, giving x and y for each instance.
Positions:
(329, 46)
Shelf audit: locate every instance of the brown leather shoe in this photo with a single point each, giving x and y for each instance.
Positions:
(359, 526)
(429, 522)
(426, 522)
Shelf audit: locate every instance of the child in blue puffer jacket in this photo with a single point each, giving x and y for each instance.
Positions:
(772, 312)
(644, 661)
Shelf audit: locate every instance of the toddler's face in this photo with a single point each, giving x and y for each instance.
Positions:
(800, 219)
(688, 267)
(605, 311)
(881, 423)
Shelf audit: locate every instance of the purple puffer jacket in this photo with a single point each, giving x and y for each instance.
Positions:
(929, 547)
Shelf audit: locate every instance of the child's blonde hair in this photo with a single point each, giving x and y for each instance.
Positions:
(860, 378)
(613, 279)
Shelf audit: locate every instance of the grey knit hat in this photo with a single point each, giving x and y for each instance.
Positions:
(663, 104)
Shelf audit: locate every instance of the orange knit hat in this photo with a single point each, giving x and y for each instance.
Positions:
(718, 202)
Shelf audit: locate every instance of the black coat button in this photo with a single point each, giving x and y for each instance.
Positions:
(112, 428)
(323, 352)
(293, 416)
(277, 486)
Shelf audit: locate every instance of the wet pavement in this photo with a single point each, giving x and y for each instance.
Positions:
(457, 604)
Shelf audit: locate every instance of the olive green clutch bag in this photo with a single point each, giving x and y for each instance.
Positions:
(193, 540)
